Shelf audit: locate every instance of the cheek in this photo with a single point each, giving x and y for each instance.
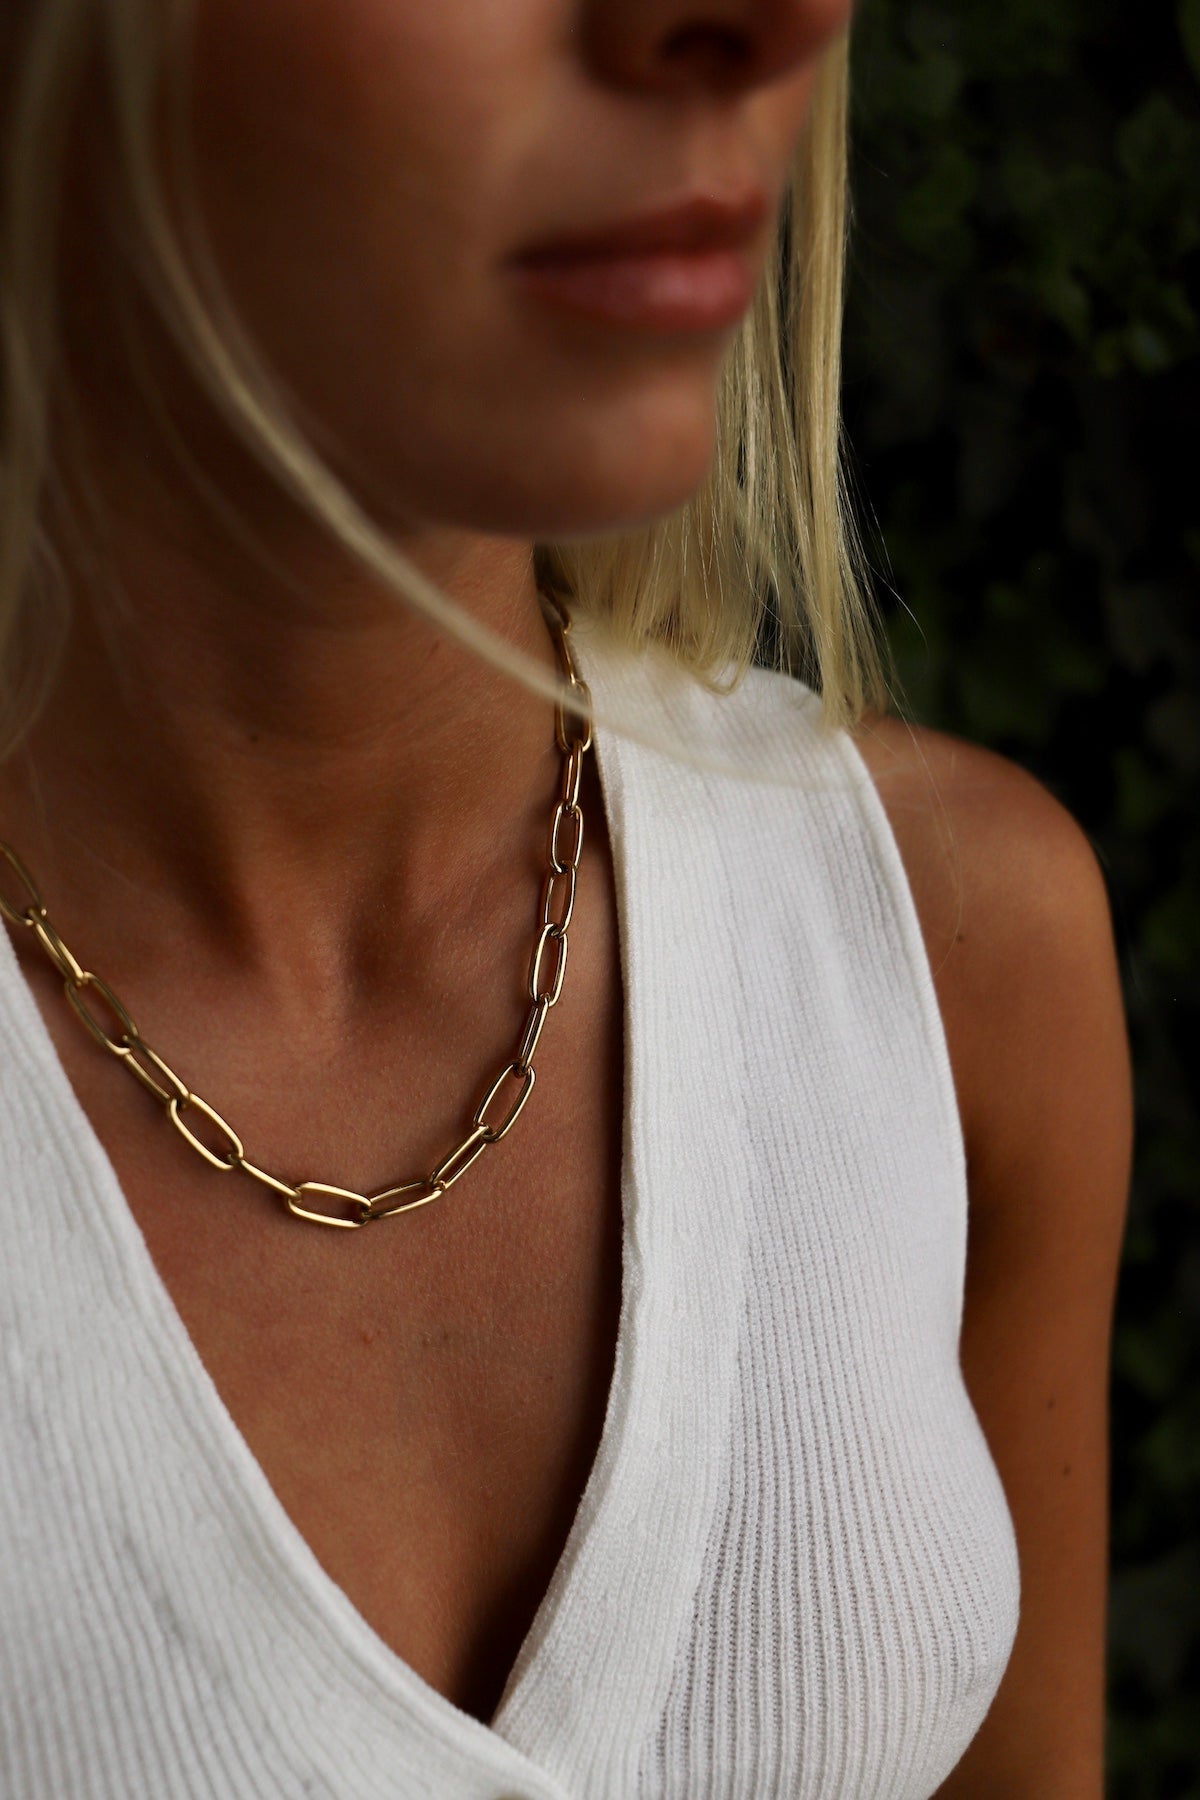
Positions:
(345, 144)
(344, 154)
(365, 168)
(780, 114)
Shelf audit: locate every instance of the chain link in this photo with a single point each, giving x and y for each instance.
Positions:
(550, 934)
(55, 949)
(555, 912)
(232, 1156)
(525, 1076)
(127, 1031)
(462, 1156)
(319, 1202)
(533, 1031)
(402, 1199)
(557, 863)
(135, 1050)
(359, 1204)
(20, 915)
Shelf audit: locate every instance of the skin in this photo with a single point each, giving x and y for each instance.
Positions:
(1016, 920)
(299, 831)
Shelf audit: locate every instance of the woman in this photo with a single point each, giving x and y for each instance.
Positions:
(376, 1422)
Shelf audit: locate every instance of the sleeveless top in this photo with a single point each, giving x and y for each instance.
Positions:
(793, 1570)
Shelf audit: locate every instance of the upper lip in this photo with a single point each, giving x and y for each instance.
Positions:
(698, 222)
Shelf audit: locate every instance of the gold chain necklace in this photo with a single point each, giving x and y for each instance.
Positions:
(225, 1151)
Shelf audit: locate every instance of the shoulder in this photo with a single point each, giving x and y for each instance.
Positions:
(1014, 912)
(1013, 906)
(968, 820)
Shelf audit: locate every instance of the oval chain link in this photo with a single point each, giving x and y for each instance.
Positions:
(344, 1208)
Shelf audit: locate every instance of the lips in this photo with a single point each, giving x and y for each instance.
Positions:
(701, 222)
(686, 267)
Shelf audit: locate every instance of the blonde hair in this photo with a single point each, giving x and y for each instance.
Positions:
(767, 546)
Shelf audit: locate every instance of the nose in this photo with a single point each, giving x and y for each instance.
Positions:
(722, 46)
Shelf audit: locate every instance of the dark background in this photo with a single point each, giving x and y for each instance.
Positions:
(1023, 405)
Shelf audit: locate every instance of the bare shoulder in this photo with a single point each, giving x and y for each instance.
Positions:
(1014, 910)
(971, 821)
(1012, 904)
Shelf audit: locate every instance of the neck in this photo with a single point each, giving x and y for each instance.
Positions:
(258, 750)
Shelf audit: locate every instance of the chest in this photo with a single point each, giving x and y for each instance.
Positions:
(424, 1397)
(796, 1537)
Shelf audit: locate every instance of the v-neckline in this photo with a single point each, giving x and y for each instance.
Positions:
(594, 1527)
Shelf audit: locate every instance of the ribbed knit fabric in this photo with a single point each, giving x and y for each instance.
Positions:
(793, 1571)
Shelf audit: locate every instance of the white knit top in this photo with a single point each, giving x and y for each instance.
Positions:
(793, 1570)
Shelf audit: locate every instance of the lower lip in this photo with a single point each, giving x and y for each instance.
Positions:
(664, 291)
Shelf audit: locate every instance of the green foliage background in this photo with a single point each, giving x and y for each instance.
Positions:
(1023, 402)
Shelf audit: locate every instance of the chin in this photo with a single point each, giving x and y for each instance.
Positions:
(595, 484)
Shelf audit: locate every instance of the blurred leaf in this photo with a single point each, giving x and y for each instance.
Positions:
(1171, 930)
(1173, 727)
(1022, 359)
(1147, 351)
(1189, 31)
(1140, 630)
(934, 82)
(1145, 793)
(934, 205)
(1150, 1612)
(1155, 143)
